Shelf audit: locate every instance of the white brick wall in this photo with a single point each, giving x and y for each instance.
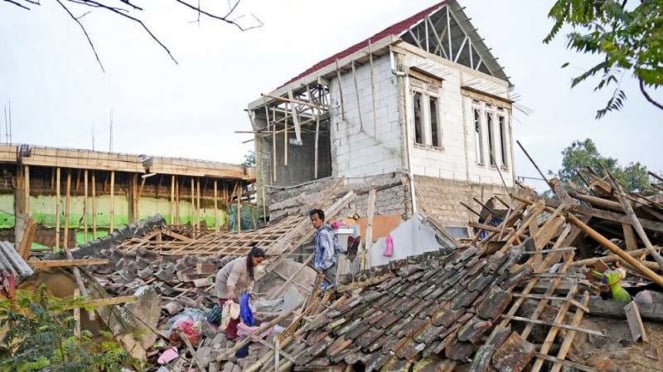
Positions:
(456, 161)
(358, 153)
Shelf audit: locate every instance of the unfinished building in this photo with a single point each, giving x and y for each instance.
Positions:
(422, 104)
(75, 196)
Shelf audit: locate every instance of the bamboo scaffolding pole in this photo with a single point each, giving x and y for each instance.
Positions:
(285, 138)
(198, 213)
(340, 90)
(273, 146)
(354, 77)
(57, 208)
(67, 209)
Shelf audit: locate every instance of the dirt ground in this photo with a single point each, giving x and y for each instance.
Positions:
(617, 351)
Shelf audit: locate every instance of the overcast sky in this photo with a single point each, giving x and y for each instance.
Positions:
(60, 97)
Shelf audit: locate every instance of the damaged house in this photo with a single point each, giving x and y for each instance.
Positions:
(420, 111)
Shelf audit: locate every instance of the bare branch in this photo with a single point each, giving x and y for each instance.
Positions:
(217, 17)
(17, 4)
(129, 16)
(648, 97)
(94, 50)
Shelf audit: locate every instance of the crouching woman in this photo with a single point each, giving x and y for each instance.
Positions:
(235, 278)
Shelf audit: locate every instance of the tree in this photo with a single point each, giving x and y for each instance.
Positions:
(134, 13)
(628, 37)
(584, 154)
(41, 336)
(249, 159)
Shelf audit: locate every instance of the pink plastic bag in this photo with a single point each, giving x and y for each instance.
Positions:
(389, 247)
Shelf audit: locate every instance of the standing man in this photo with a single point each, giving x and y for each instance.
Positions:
(325, 260)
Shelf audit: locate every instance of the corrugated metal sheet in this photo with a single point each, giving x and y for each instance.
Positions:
(12, 263)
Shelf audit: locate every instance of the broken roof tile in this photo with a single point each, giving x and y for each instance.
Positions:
(483, 356)
(396, 365)
(459, 350)
(464, 299)
(494, 262)
(514, 354)
(411, 350)
(447, 317)
(359, 330)
(495, 304)
(369, 337)
(474, 329)
(430, 334)
(411, 327)
(349, 327)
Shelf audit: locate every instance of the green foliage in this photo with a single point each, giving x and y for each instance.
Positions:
(584, 154)
(40, 336)
(249, 159)
(628, 38)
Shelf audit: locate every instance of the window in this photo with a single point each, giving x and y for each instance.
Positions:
(425, 112)
(491, 137)
(490, 125)
(478, 136)
(418, 118)
(503, 146)
(436, 134)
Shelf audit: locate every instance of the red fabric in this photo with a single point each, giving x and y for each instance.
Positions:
(231, 329)
(395, 29)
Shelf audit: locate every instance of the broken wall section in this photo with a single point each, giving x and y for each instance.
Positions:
(441, 199)
(392, 196)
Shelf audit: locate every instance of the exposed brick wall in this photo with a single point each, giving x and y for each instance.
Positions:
(392, 196)
(441, 198)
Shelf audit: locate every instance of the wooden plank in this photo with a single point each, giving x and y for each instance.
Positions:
(635, 322)
(172, 200)
(57, 209)
(27, 238)
(40, 264)
(568, 339)
(629, 237)
(359, 114)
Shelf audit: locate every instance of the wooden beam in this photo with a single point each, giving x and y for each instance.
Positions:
(375, 119)
(615, 249)
(40, 264)
(25, 246)
(340, 90)
(193, 202)
(552, 324)
(57, 209)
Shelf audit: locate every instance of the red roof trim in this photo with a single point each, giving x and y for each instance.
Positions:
(395, 29)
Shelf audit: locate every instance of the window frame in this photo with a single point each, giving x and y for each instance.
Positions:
(428, 92)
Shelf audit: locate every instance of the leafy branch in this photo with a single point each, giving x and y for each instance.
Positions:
(629, 38)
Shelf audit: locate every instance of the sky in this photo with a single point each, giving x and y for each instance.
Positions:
(60, 97)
